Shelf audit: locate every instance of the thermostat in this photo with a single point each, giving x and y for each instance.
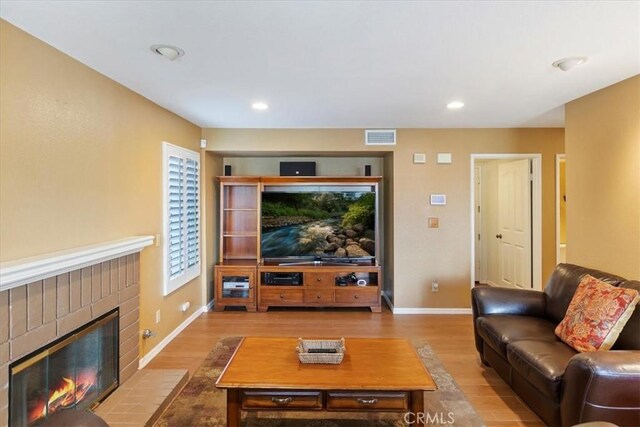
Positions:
(438, 199)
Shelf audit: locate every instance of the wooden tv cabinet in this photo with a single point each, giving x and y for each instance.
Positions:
(318, 288)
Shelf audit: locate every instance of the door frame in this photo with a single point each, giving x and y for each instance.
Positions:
(536, 206)
(559, 159)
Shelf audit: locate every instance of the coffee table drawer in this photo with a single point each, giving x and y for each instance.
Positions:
(263, 399)
(390, 401)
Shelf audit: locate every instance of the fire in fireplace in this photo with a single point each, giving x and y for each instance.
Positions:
(73, 373)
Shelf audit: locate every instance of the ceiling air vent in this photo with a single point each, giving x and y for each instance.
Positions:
(380, 137)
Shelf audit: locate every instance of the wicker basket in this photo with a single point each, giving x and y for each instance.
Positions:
(325, 358)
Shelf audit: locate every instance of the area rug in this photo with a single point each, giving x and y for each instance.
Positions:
(200, 403)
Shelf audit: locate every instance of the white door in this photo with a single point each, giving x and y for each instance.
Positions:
(514, 224)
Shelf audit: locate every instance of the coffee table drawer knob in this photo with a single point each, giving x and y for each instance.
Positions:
(282, 400)
(367, 401)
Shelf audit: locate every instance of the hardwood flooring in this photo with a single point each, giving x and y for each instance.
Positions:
(451, 337)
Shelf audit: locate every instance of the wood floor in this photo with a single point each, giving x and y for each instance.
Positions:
(451, 337)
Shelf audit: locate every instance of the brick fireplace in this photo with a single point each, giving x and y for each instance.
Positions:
(37, 313)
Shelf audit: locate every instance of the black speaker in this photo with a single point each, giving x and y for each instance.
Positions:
(227, 170)
(367, 170)
(297, 168)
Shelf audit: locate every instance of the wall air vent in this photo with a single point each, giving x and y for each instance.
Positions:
(380, 137)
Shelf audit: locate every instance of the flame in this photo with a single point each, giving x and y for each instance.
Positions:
(67, 394)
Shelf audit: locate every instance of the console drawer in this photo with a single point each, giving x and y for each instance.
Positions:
(318, 296)
(277, 296)
(319, 279)
(389, 401)
(258, 399)
(358, 295)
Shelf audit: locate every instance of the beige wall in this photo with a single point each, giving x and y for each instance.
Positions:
(325, 166)
(80, 163)
(603, 179)
(213, 167)
(421, 255)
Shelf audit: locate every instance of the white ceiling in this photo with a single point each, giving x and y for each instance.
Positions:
(339, 64)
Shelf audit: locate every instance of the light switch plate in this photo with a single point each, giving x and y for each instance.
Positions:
(444, 158)
(419, 158)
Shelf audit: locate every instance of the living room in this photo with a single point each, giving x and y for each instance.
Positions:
(81, 165)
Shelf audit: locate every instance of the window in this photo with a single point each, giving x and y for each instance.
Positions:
(181, 216)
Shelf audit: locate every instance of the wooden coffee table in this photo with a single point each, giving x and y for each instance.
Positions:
(376, 374)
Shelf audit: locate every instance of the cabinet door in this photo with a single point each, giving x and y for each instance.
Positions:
(235, 285)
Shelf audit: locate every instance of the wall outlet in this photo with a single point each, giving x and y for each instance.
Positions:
(435, 287)
(158, 316)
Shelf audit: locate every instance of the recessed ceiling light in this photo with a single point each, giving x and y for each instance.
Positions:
(169, 52)
(565, 64)
(259, 106)
(454, 105)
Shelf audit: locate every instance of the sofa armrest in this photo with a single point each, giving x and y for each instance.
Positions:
(489, 300)
(602, 385)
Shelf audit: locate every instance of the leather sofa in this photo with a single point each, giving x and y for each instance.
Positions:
(514, 334)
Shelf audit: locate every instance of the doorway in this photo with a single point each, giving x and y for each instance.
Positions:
(506, 220)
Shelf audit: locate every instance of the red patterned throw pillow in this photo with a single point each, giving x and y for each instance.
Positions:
(596, 315)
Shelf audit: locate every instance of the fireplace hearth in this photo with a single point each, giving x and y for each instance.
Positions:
(75, 372)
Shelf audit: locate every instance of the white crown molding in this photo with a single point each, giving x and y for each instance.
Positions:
(27, 270)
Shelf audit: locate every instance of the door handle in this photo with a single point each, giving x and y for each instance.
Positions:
(498, 236)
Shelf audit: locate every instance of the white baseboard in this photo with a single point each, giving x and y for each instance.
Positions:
(419, 310)
(395, 310)
(209, 306)
(162, 344)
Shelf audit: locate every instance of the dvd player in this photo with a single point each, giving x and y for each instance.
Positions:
(282, 279)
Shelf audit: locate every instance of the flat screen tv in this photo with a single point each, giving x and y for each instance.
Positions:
(319, 222)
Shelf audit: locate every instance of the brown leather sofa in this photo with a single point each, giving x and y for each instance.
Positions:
(514, 334)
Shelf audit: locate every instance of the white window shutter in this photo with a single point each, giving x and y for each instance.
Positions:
(181, 216)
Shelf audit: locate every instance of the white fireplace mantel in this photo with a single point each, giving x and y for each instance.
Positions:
(27, 270)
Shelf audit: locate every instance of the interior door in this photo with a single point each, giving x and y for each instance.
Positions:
(514, 223)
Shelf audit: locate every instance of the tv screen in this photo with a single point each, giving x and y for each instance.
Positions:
(319, 223)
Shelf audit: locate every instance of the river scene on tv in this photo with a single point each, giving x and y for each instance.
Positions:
(331, 224)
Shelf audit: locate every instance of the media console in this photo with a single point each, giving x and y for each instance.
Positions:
(319, 286)
(244, 278)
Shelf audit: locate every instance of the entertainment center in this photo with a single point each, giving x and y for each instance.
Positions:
(298, 242)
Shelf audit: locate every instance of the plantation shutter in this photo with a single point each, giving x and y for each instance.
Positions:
(181, 216)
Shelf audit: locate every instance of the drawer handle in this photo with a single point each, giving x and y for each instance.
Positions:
(282, 296)
(319, 279)
(362, 401)
(356, 296)
(318, 296)
(282, 400)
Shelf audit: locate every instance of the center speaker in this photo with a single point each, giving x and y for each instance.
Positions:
(297, 168)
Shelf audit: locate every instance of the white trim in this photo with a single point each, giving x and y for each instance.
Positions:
(144, 361)
(395, 310)
(171, 284)
(536, 221)
(418, 310)
(209, 306)
(559, 159)
(27, 270)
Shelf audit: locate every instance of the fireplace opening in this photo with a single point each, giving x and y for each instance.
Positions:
(75, 372)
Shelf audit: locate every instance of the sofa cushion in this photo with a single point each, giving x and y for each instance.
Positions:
(541, 363)
(563, 284)
(499, 330)
(596, 315)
